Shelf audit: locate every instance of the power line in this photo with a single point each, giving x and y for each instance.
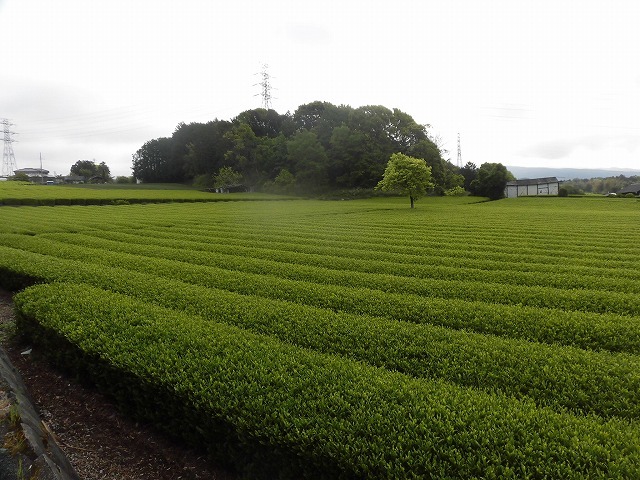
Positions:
(8, 157)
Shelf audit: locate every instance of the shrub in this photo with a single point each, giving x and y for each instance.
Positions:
(456, 191)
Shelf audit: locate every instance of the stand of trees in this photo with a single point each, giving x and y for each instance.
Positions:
(91, 172)
(580, 186)
(319, 147)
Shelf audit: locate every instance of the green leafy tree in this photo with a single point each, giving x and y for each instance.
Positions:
(206, 149)
(285, 182)
(90, 171)
(151, 161)
(491, 181)
(406, 175)
(103, 173)
(309, 159)
(266, 123)
(470, 173)
(243, 152)
(351, 162)
(84, 168)
(227, 178)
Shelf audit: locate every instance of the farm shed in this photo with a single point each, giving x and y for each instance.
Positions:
(633, 188)
(529, 187)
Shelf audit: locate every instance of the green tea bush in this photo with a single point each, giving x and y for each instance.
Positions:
(574, 379)
(585, 330)
(275, 410)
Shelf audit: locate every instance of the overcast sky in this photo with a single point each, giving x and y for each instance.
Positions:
(525, 83)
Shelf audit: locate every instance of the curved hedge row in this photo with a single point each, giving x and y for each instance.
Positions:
(350, 271)
(274, 409)
(612, 332)
(563, 377)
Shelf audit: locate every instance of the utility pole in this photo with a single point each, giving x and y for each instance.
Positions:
(8, 158)
(266, 87)
(459, 163)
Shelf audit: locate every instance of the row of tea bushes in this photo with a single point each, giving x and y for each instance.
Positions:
(617, 333)
(338, 270)
(278, 410)
(561, 377)
(475, 250)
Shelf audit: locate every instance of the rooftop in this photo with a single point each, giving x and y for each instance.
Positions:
(533, 181)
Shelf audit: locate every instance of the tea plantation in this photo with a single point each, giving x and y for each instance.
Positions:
(348, 339)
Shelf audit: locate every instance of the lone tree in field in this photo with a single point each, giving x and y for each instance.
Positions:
(406, 175)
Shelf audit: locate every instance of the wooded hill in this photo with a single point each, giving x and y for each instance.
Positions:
(319, 147)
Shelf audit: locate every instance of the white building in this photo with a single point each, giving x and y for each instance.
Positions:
(531, 187)
(36, 175)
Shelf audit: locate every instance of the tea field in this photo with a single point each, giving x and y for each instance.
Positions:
(351, 339)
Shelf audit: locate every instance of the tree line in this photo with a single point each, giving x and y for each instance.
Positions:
(317, 148)
(600, 185)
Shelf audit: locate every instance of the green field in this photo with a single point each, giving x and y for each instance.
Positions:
(350, 339)
(17, 193)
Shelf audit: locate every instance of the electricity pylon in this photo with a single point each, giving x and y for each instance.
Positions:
(8, 157)
(266, 87)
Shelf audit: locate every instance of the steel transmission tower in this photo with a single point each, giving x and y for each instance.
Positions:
(8, 158)
(266, 87)
(459, 164)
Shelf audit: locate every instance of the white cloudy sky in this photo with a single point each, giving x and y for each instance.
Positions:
(525, 83)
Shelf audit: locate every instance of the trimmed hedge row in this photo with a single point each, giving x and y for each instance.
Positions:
(370, 247)
(562, 377)
(276, 410)
(584, 330)
(423, 262)
(381, 275)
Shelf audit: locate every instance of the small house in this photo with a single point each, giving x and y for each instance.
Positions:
(531, 187)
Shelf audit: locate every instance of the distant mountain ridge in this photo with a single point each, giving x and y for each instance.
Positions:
(569, 173)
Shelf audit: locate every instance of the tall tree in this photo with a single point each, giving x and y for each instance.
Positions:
(83, 168)
(91, 172)
(492, 180)
(103, 174)
(407, 176)
(243, 152)
(206, 150)
(264, 123)
(150, 162)
(470, 173)
(352, 162)
(309, 159)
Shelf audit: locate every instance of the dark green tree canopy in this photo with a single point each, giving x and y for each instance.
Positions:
(91, 172)
(491, 180)
(151, 161)
(322, 145)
